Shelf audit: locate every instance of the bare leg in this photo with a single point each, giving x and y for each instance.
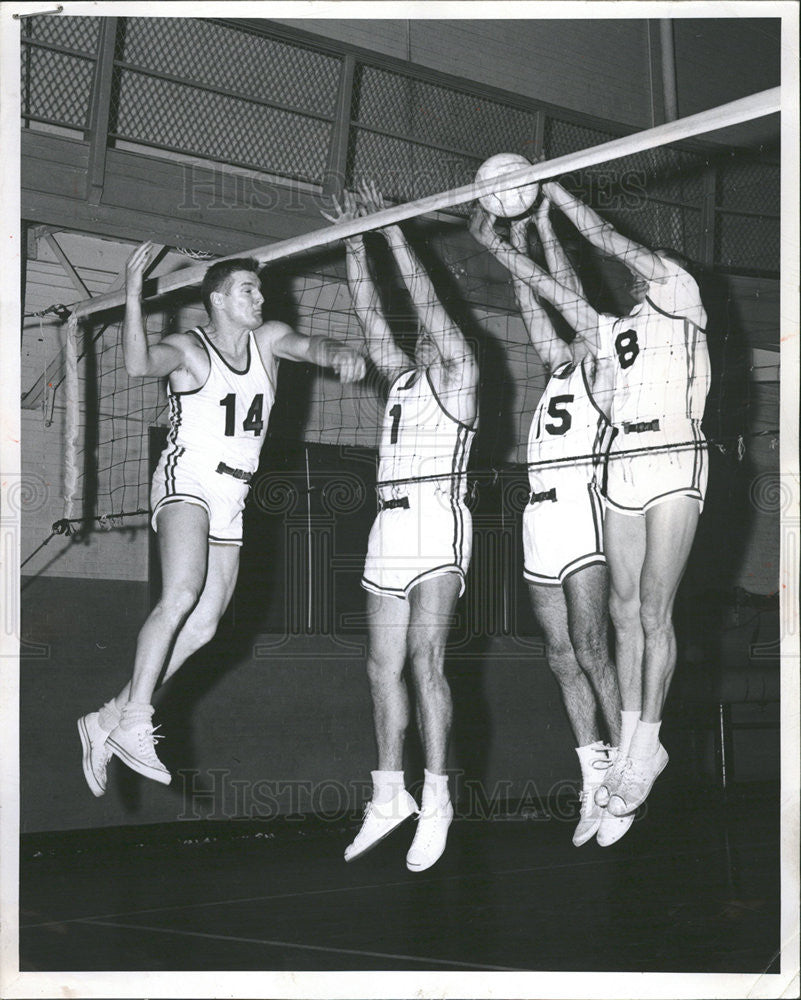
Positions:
(550, 607)
(624, 543)
(201, 625)
(587, 596)
(183, 548)
(388, 618)
(670, 530)
(432, 604)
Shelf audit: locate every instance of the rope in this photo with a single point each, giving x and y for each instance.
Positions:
(63, 527)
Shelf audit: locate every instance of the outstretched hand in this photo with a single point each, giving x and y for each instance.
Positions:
(482, 225)
(345, 212)
(371, 198)
(135, 268)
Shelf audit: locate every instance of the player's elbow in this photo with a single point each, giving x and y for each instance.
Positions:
(136, 367)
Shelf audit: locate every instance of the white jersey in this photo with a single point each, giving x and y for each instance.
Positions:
(225, 419)
(660, 357)
(420, 441)
(569, 434)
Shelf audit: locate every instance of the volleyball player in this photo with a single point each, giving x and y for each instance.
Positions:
(564, 562)
(221, 387)
(420, 543)
(657, 473)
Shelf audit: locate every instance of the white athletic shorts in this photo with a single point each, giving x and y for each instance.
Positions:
(221, 495)
(647, 467)
(430, 537)
(563, 531)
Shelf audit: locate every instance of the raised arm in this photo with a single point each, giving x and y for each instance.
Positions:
(559, 263)
(388, 358)
(449, 339)
(142, 359)
(603, 235)
(576, 310)
(550, 347)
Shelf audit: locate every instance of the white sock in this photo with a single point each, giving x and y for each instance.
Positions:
(109, 716)
(135, 713)
(435, 790)
(587, 755)
(628, 723)
(386, 785)
(645, 741)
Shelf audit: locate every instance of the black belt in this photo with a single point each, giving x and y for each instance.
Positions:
(394, 502)
(545, 495)
(236, 473)
(644, 425)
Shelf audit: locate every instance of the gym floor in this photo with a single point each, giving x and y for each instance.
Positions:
(693, 887)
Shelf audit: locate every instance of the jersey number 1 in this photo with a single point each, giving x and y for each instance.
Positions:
(395, 413)
(253, 420)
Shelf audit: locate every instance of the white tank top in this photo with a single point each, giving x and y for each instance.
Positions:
(421, 443)
(569, 433)
(660, 356)
(225, 419)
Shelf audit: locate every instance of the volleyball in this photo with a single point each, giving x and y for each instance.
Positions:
(513, 201)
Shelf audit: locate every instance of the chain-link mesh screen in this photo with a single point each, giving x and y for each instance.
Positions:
(439, 116)
(81, 34)
(406, 170)
(221, 128)
(748, 186)
(749, 242)
(416, 138)
(256, 104)
(55, 87)
(234, 60)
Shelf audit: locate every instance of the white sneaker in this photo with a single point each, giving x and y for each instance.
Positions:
(589, 817)
(637, 778)
(379, 822)
(610, 780)
(429, 841)
(96, 753)
(612, 828)
(596, 759)
(136, 748)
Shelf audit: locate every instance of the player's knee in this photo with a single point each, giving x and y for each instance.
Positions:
(177, 603)
(624, 611)
(203, 632)
(592, 650)
(655, 616)
(427, 655)
(562, 660)
(383, 670)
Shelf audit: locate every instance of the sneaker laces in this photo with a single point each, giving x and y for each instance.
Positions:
(148, 738)
(605, 762)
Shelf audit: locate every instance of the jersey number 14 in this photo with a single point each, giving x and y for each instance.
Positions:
(254, 420)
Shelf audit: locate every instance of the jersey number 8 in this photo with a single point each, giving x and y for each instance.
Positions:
(627, 348)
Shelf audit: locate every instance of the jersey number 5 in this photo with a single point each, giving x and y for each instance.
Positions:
(627, 348)
(557, 408)
(253, 420)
